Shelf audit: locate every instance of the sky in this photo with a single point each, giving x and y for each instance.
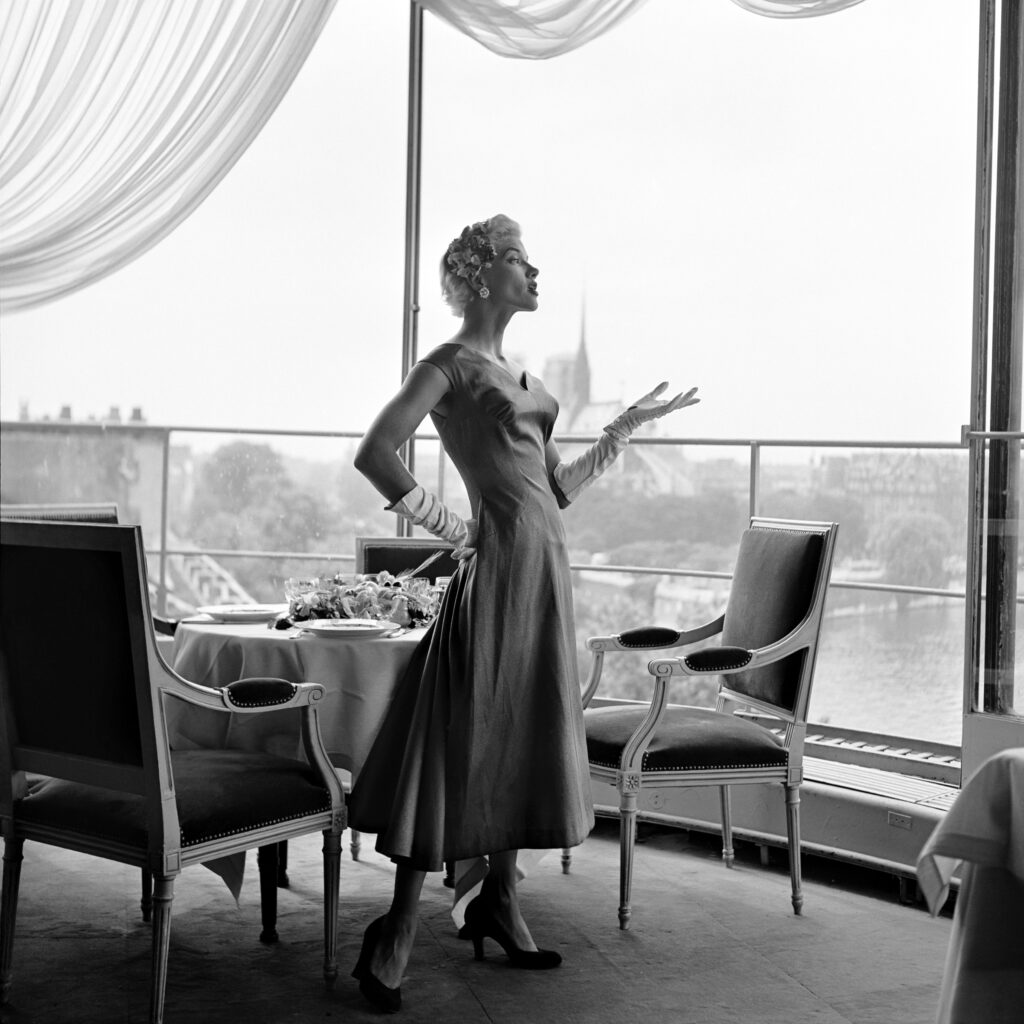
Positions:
(777, 211)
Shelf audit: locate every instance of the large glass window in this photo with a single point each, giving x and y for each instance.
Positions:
(780, 212)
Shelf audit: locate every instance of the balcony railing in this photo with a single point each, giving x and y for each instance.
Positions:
(748, 476)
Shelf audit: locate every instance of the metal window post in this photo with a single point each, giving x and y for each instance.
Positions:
(1003, 511)
(411, 306)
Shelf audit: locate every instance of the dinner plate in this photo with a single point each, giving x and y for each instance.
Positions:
(349, 629)
(243, 612)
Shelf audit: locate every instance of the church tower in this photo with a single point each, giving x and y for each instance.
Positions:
(567, 377)
(581, 368)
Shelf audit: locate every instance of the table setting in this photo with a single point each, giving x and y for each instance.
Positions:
(353, 633)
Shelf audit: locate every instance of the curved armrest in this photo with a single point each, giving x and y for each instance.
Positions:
(259, 693)
(723, 660)
(718, 659)
(642, 638)
(652, 637)
(253, 695)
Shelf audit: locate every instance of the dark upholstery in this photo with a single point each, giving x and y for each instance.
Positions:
(259, 693)
(97, 701)
(716, 659)
(219, 793)
(380, 556)
(648, 636)
(685, 739)
(770, 595)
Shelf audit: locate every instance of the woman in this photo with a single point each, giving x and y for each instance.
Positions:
(483, 750)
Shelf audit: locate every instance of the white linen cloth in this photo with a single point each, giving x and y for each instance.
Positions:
(360, 676)
(982, 838)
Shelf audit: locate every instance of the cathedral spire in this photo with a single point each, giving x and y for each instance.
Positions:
(581, 370)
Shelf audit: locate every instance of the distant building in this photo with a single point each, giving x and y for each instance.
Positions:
(644, 468)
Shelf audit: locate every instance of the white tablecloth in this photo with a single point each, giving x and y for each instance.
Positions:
(981, 840)
(360, 676)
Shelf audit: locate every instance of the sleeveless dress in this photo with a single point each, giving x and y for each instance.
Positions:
(483, 747)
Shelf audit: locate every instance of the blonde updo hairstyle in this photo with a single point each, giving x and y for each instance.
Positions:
(469, 257)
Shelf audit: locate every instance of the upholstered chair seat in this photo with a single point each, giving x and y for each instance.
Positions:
(85, 763)
(219, 793)
(686, 739)
(764, 654)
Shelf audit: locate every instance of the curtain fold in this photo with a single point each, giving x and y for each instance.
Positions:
(532, 29)
(795, 8)
(118, 119)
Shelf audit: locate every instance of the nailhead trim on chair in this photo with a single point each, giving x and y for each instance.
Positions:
(691, 767)
(648, 636)
(260, 703)
(248, 828)
(716, 666)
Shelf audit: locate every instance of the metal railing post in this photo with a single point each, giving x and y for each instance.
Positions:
(755, 478)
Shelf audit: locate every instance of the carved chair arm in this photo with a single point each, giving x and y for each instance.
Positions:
(639, 639)
(253, 695)
(652, 637)
(726, 660)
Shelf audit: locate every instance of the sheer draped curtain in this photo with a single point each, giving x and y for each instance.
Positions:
(118, 119)
(536, 29)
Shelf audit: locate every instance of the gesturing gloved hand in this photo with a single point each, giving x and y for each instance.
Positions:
(646, 409)
(427, 510)
(573, 477)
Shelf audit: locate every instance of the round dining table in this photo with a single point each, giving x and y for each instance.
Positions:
(360, 675)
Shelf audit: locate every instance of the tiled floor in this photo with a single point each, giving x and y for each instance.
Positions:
(707, 945)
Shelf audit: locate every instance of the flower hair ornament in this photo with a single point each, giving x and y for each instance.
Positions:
(469, 255)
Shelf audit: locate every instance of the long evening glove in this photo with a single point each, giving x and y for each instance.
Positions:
(648, 408)
(427, 510)
(573, 477)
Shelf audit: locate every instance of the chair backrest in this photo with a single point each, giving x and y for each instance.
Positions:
(395, 554)
(81, 512)
(74, 656)
(779, 583)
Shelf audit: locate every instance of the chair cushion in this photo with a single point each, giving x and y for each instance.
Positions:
(686, 739)
(770, 595)
(219, 793)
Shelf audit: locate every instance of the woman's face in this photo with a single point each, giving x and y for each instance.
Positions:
(512, 279)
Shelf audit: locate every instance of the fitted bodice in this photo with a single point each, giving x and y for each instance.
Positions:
(495, 430)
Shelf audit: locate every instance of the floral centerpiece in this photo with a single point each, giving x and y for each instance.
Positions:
(400, 599)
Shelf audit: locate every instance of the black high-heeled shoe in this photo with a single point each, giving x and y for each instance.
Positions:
(389, 1000)
(482, 924)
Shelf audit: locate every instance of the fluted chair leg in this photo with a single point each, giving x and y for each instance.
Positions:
(332, 883)
(629, 790)
(163, 894)
(355, 843)
(566, 859)
(728, 853)
(9, 911)
(793, 836)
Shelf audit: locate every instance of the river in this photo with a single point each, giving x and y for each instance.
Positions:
(894, 672)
